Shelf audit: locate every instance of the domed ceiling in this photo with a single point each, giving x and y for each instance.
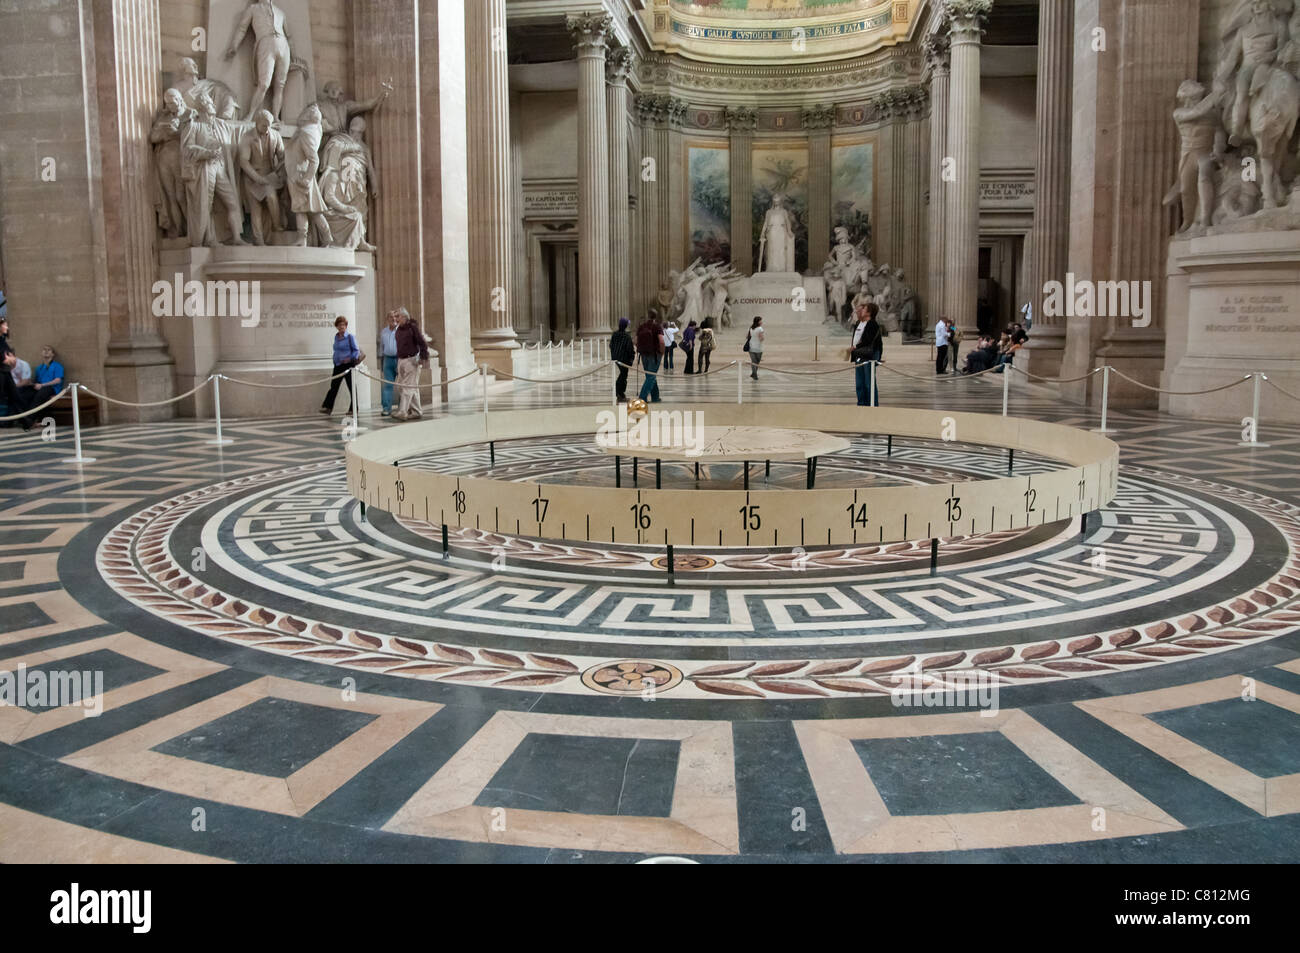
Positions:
(782, 30)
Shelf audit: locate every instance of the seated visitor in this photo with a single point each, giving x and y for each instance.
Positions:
(48, 379)
(16, 401)
(1007, 350)
(982, 357)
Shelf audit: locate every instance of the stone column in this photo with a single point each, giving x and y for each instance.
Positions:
(138, 367)
(676, 192)
(936, 51)
(742, 122)
(915, 180)
(589, 32)
(652, 115)
(1051, 237)
(616, 70)
(818, 120)
(491, 187)
(520, 293)
(963, 225)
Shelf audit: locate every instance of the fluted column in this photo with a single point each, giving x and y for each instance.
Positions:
(127, 48)
(936, 51)
(965, 18)
(742, 122)
(653, 271)
(1051, 238)
(589, 32)
(491, 190)
(818, 120)
(914, 183)
(617, 67)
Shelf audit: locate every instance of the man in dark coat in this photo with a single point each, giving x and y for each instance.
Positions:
(622, 350)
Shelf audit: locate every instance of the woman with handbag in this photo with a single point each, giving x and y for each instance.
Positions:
(754, 346)
(346, 356)
(707, 345)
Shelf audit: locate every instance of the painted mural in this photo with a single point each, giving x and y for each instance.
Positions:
(709, 216)
(782, 167)
(853, 189)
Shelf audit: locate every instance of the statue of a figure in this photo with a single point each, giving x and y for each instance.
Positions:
(347, 180)
(776, 246)
(271, 53)
(1237, 194)
(837, 290)
(716, 296)
(189, 84)
(693, 285)
(168, 127)
(302, 160)
(261, 160)
(1197, 118)
(666, 293)
(1253, 39)
(337, 112)
(209, 173)
(845, 253)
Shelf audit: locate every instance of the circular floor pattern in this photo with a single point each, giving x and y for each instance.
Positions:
(1176, 568)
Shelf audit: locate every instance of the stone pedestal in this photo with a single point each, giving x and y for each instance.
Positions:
(297, 293)
(1233, 308)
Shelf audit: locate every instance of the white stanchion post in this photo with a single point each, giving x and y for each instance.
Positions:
(1105, 399)
(77, 458)
(356, 400)
(1254, 414)
(1006, 382)
(740, 382)
(220, 441)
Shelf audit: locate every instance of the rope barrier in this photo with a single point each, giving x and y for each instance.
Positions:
(941, 378)
(1056, 380)
(323, 380)
(1180, 393)
(645, 373)
(151, 403)
(553, 380)
(1277, 387)
(66, 392)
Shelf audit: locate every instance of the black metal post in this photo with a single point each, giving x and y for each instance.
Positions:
(658, 473)
(767, 473)
(618, 470)
(1083, 524)
(670, 564)
(492, 454)
(363, 512)
(934, 556)
(697, 471)
(1011, 460)
(445, 549)
(889, 445)
(634, 473)
(746, 474)
(810, 478)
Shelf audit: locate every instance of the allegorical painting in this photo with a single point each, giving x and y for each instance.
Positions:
(782, 168)
(853, 189)
(709, 217)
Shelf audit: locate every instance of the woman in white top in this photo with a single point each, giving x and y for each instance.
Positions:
(754, 344)
(670, 332)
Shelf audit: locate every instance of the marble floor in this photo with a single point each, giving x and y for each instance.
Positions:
(283, 681)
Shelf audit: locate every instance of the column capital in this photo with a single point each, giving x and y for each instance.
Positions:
(907, 102)
(740, 119)
(663, 110)
(966, 18)
(590, 31)
(618, 65)
(935, 48)
(817, 117)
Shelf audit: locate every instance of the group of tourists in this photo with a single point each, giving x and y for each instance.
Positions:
(655, 343)
(995, 353)
(21, 388)
(403, 351)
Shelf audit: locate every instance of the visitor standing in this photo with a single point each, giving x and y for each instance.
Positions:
(388, 358)
(650, 345)
(623, 352)
(688, 346)
(707, 344)
(412, 354)
(868, 345)
(954, 339)
(346, 356)
(754, 345)
(670, 343)
(941, 346)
